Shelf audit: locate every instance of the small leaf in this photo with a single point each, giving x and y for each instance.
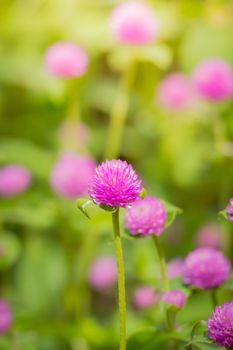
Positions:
(172, 212)
(224, 214)
(143, 193)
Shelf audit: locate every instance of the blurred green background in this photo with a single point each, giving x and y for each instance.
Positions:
(184, 158)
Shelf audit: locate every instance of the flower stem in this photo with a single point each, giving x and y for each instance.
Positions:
(118, 114)
(121, 279)
(163, 270)
(214, 297)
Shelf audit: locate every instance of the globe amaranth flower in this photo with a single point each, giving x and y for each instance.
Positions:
(144, 297)
(14, 179)
(175, 298)
(146, 217)
(175, 92)
(115, 184)
(206, 268)
(71, 174)
(103, 273)
(229, 210)
(175, 268)
(5, 316)
(209, 235)
(67, 60)
(213, 80)
(220, 325)
(133, 23)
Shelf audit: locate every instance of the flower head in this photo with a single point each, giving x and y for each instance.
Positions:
(213, 79)
(67, 60)
(175, 298)
(209, 235)
(103, 273)
(175, 92)
(144, 297)
(133, 23)
(71, 174)
(14, 179)
(220, 325)
(175, 268)
(229, 210)
(115, 184)
(206, 268)
(5, 316)
(147, 216)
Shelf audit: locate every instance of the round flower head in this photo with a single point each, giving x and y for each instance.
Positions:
(144, 297)
(175, 268)
(213, 80)
(133, 23)
(229, 210)
(71, 174)
(175, 92)
(175, 298)
(103, 273)
(147, 216)
(5, 316)
(67, 60)
(206, 268)
(209, 236)
(14, 179)
(220, 326)
(115, 184)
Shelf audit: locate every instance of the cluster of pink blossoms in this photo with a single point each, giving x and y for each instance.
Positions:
(5, 316)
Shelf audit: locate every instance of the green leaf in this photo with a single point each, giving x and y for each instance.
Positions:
(149, 339)
(172, 212)
(223, 213)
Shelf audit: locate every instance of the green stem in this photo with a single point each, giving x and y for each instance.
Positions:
(118, 114)
(121, 279)
(73, 112)
(214, 298)
(162, 263)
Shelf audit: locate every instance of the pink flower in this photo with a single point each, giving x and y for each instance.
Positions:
(14, 179)
(115, 184)
(175, 298)
(213, 79)
(144, 297)
(229, 210)
(71, 174)
(206, 268)
(67, 60)
(103, 273)
(133, 23)
(146, 217)
(209, 236)
(175, 92)
(5, 316)
(175, 268)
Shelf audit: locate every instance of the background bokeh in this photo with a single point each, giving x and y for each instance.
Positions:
(184, 157)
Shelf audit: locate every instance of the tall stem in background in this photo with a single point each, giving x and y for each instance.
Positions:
(121, 279)
(118, 114)
(162, 263)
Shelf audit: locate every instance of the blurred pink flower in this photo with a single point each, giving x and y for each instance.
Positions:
(144, 297)
(209, 235)
(175, 298)
(229, 210)
(175, 92)
(71, 174)
(213, 80)
(175, 268)
(67, 60)
(14, 179)
(5, 316)
(134, 23)
(103, 273)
